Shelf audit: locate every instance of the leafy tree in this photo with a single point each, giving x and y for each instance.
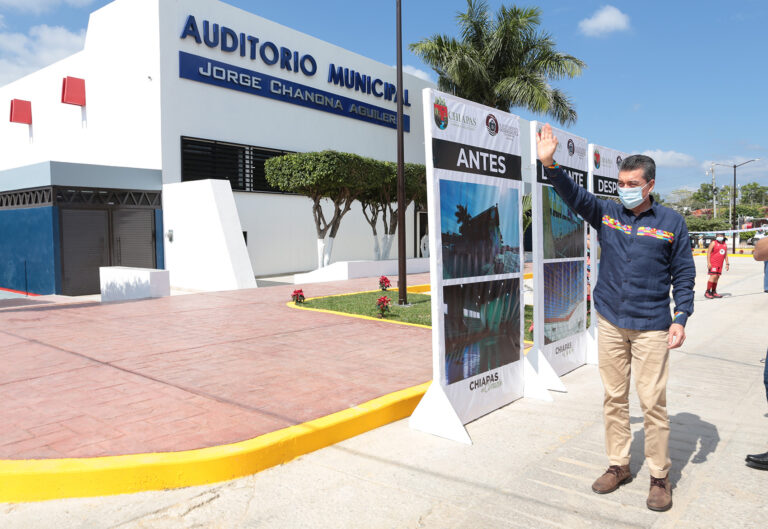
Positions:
(336, 176)
(503, 61)
(379, 201)
(754, 193)
(681, 200)
(658, 199)
(723, 201)
(702, 197)
(702, 224)
(749, 210)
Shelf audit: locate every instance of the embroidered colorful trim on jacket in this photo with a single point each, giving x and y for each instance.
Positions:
(616, 225)
(655, 232)
(678, 313)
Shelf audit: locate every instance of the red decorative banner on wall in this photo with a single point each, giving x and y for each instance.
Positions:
(73, 91)
(21, 111)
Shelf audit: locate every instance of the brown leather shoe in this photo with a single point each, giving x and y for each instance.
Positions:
(613, 477)
(660, 495)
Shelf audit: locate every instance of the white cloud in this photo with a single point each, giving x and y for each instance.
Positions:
(421, 74)
(23, 54)
(671, 158)
(412, 70)
(40, 6)
(606, 20)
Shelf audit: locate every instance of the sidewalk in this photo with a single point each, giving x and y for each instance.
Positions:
(531, 463)
(193, 371)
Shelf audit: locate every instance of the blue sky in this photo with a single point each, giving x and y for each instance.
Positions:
(682, 81)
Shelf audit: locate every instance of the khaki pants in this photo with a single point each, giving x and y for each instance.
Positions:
(621, 351)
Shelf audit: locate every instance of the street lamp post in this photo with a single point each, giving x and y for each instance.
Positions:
(401, 269)
(733, 197)
(714, 192)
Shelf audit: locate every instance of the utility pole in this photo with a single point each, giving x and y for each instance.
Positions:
(733, 197)
(401, 268)
(714, 192)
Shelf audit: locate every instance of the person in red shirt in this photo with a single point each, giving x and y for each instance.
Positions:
(717, 253)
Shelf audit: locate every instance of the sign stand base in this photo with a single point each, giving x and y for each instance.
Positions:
(546, 373)
(534, 388)
(435, 415)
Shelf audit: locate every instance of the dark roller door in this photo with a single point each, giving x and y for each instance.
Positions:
(133, 242)
(85, 247)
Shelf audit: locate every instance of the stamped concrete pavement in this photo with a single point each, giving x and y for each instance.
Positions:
(531, 464)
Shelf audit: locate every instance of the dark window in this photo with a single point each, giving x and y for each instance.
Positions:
(242, 165)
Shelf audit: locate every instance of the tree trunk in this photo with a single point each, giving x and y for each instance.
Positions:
(387, 245)
(320, 252)
(328, 250)
(372, 220)
(390, 230)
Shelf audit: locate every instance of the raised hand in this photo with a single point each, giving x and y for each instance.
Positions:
(546, 143)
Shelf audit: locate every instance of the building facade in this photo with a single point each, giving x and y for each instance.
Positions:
(167, 92)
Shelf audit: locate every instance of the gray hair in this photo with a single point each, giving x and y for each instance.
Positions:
(640, 161)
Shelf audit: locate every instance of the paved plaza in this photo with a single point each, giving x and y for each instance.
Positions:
(531, 464)
(192, 371)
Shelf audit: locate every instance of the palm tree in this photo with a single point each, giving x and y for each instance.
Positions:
(503, 62)
(462, 216)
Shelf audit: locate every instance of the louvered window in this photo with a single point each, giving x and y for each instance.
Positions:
(242, 165)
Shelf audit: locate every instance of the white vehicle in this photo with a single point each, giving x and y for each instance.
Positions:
(759, 235)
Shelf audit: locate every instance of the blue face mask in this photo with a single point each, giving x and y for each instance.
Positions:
(631, 197)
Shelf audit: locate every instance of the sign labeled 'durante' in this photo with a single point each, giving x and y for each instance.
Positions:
(605, 185)
(580, 177)
(476, 160)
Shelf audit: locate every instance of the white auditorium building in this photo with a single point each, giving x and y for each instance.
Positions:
(124, 153)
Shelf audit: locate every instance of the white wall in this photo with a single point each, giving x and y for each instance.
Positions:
(200, 110)
(281, 233)
(208, 251)
(122, 113)
(282, 236)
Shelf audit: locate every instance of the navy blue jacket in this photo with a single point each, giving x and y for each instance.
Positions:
(641, 257)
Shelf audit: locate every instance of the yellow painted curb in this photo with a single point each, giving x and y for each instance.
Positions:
(46, 479)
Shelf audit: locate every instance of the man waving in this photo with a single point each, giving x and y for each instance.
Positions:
(645, 250)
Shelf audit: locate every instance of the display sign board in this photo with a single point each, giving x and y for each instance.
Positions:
(476, 263)
(559, 259)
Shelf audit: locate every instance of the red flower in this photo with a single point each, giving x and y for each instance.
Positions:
(384, 283)
(298, 296)
(383, 305)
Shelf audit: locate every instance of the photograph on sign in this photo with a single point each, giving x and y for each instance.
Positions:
(564, 301)
(482, 327)
(563, 228)
(480, 229)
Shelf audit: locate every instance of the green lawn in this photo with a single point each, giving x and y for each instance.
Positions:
(365, 304)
